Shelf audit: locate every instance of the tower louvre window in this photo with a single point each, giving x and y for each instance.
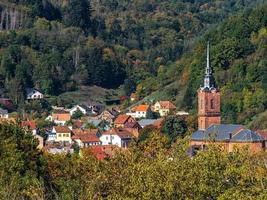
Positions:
(212, 104)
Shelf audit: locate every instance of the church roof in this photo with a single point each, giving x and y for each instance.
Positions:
(226, 132)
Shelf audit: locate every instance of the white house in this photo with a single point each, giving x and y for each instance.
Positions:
(32, 94)
(118, 137)
(59, 118)
(76, 108)
(140, 111)
(3, 113)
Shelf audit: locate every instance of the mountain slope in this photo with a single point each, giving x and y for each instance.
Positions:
(238, 56)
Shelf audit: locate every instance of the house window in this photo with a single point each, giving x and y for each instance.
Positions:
(59, 135)
(212, 103)
(106, 137)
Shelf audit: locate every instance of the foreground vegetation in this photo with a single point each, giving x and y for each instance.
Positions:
(150, 169)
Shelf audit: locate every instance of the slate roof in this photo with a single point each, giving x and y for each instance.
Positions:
(247, 136)
(227, 132)
(146, 122)
(3, 111)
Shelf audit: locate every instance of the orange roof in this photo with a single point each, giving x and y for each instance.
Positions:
(122, 119)
(29, 124)
(61, 116)
(62, 129)
(141, 108)
(167, 105)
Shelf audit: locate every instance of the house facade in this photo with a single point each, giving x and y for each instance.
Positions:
(122, 119)
(164, 108)
(32, 94)
(116, 136)
(3, 113)
(140, 111)
(63, 134)
(59, 118)
(76, 108)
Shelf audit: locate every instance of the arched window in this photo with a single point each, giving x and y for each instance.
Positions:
(212, 103)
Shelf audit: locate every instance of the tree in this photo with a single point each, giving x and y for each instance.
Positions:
(78, 13)
(77, 114)
(173, 127)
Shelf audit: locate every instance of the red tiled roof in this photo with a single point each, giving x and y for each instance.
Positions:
(62, 129)
(140, 108)
(167, 105)
(61, 116)
(29, 124)
(86, 137)
(78, 123)
(99, 152)
(122, 119)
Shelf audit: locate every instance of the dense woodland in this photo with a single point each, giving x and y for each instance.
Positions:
(58, 46)
(150, 169)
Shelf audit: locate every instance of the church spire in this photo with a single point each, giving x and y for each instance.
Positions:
(209, 79)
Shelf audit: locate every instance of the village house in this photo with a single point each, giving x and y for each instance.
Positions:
(122, 119)
(108, 115)
(140, 111)
(3, 113)
(134, 128)
(59, 118)
(77, 108)
(63, 134)
(33, 94)
(86, 139)
(164, 108)
(209, 122)
(116, 136)
(31, 126)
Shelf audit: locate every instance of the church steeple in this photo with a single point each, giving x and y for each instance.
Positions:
(209, 103)
(209, 81)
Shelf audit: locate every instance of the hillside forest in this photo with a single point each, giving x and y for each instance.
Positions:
(149, 47)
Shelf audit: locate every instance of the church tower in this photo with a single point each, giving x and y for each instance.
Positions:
(209, 104)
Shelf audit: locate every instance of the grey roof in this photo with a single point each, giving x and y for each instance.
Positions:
(247, 135)
(3, 111)
(227, 132)
(146, 122)
(95, 122)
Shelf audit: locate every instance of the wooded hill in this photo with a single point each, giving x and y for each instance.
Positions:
(57, 46)
(238, 56)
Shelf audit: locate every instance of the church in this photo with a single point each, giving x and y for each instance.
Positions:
(210, 129)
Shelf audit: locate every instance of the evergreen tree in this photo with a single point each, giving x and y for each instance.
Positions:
(78, 13)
